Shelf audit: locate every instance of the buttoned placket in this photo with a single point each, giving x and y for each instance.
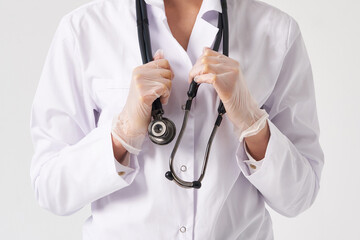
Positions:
(184, 157)
(203, 34)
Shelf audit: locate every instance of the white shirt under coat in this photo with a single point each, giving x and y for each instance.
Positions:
(85, 81)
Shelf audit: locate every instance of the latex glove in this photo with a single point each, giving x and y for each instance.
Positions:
(225, 75)
(149, 82)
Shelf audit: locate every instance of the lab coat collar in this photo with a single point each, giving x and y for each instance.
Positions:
(210, 5)
(206, 6)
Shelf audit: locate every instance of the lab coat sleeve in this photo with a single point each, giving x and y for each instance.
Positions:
(73, 162)
(289, 176)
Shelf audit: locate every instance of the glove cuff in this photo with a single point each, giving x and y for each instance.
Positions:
(132, 143)
(256, 127)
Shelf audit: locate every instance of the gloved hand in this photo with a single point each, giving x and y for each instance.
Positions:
(149, 82)
(225, 75)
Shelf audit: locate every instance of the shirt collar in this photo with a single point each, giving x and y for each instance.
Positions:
(206, 6)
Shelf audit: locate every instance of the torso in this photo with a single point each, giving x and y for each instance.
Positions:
(107, 37)
(181, 16)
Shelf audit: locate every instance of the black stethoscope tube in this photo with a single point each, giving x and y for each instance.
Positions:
(140, 28)
(145, 48)
(145, 43)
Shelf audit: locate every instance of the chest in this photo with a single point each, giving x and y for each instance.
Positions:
(109, 51)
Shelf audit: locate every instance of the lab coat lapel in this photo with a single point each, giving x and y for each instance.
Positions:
(202, 35)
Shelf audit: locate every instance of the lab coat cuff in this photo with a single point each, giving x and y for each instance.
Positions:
(252, 164)
(126, 171)
(118, 170)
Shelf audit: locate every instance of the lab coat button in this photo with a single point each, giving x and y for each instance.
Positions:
(183, 229)
(252, 166)
(183, 168)
(122, 173)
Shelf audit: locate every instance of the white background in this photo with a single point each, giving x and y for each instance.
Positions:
(331, 30)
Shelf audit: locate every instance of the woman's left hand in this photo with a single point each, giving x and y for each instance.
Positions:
(225, 75)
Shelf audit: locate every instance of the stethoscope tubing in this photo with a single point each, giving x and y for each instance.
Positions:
(145, 43)
(145, 48)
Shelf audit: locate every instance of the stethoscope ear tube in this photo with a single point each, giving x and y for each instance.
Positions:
(143, 21)
(140, 28)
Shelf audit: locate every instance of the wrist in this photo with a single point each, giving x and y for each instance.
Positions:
(257, 144)
(132, 144)
(118, 149)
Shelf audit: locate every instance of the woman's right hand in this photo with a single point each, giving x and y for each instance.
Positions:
(149, 82)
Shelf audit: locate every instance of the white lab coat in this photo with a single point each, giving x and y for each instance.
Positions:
(85, 82)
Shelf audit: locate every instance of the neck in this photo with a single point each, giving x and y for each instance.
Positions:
(183, 3)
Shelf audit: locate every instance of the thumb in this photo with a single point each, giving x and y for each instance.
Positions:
(159, 54)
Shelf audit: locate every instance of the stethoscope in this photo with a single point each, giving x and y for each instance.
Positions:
(162, 130)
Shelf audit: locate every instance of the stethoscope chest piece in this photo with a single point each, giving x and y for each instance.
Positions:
(161, 131)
